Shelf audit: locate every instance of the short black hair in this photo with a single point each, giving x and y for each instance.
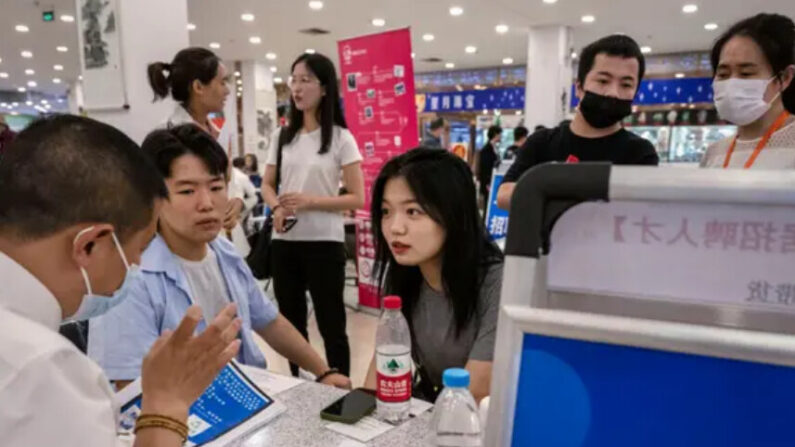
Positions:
(775, 35)
(494, 131)
(520, 132)
(65, 170)
(613, 45)
(163, 146)
(438, 123)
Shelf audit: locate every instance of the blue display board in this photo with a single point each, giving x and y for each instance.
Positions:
(655, 92)
(575, 393)
(496, 218)
(475, 100)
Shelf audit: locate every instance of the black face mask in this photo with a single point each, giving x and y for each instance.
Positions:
(604, 111)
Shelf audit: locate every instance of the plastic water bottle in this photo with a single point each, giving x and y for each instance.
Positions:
(393, 363)
(456, 422)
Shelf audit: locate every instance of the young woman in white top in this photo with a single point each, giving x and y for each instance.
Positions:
(754, 64)
(199, 82)
(317, 151)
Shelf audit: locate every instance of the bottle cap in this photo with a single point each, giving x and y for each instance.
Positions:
(392, 302)
(456, 378)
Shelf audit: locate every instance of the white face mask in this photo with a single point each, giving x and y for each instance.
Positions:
(94, 305)
(742, 101)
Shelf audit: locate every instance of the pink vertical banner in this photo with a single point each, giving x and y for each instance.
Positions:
(377, 86)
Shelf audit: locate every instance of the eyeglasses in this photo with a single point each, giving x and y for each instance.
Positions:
(295, 81)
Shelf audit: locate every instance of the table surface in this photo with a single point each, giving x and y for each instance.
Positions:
(301, 424)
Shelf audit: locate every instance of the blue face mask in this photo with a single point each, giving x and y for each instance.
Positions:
(96, 305)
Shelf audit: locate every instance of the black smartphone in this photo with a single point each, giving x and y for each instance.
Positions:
(351, 407)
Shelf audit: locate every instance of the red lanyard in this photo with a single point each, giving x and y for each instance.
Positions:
(762, 143)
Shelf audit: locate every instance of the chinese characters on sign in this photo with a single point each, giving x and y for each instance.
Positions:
(755, 236)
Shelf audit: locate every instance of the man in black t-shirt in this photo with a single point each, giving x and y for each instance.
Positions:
(609, 75)
(488, 159)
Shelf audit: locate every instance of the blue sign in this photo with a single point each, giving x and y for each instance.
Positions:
(475, 100)
(576, 393)
(496, 218)
(655, 92)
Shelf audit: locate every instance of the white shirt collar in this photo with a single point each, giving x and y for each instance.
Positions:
(23, 294)
(181, 116)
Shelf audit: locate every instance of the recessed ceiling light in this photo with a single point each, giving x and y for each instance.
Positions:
(56, 80)
(26, 54)
(3, 75)
(309, 51)
(79, 77)
(456, 11)
(428, 37)
(711, 26)
(191, 27)
(274, 69)
(32, 84)
(21, 89)
(28, 103)
(22, 28)
(215, 45)
(507, 61)
(57, 67)
(574, 55)
(256, 40)
(239, 82)
(501, 28)
(449, 65)
(30, 72)
(550, 2)
(237, 74)
(278, 80)
(588, 19)
(378, 22)
(471, 49)
(62, 49)
(247, 17)
(67, 18)
(316, 5)
(14, 104)
(679, 75)
(270, 56)
(645, 50)
(689, 9)
(413, 55)
(44, 101)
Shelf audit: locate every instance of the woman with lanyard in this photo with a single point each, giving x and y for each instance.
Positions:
(199, 82)
(754, 65)
(314, 153)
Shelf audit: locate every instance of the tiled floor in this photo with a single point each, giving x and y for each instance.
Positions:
(361, 335)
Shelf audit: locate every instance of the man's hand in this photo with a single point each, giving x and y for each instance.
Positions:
(180, 366)
(233, 211)
(338, 381)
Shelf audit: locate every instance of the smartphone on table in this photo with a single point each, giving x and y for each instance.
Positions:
(350, 408)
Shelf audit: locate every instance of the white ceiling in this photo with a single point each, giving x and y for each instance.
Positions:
(656, 23)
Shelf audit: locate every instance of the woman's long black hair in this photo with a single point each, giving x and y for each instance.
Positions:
(443, 186)
(329, 112)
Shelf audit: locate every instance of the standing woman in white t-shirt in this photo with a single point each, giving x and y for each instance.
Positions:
(198, 81)
(754, 65)
(318, 151)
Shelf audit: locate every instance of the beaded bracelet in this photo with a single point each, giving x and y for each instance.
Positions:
(157, 421)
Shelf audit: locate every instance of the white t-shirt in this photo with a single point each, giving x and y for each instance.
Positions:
(206, 283)
(305, 170)
(778, 154)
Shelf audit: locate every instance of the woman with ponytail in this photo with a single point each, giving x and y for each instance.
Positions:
(198, 81)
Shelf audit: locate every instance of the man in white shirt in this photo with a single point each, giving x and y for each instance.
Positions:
(77, 209)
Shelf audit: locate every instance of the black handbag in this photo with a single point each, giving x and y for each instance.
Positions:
(259, 259)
